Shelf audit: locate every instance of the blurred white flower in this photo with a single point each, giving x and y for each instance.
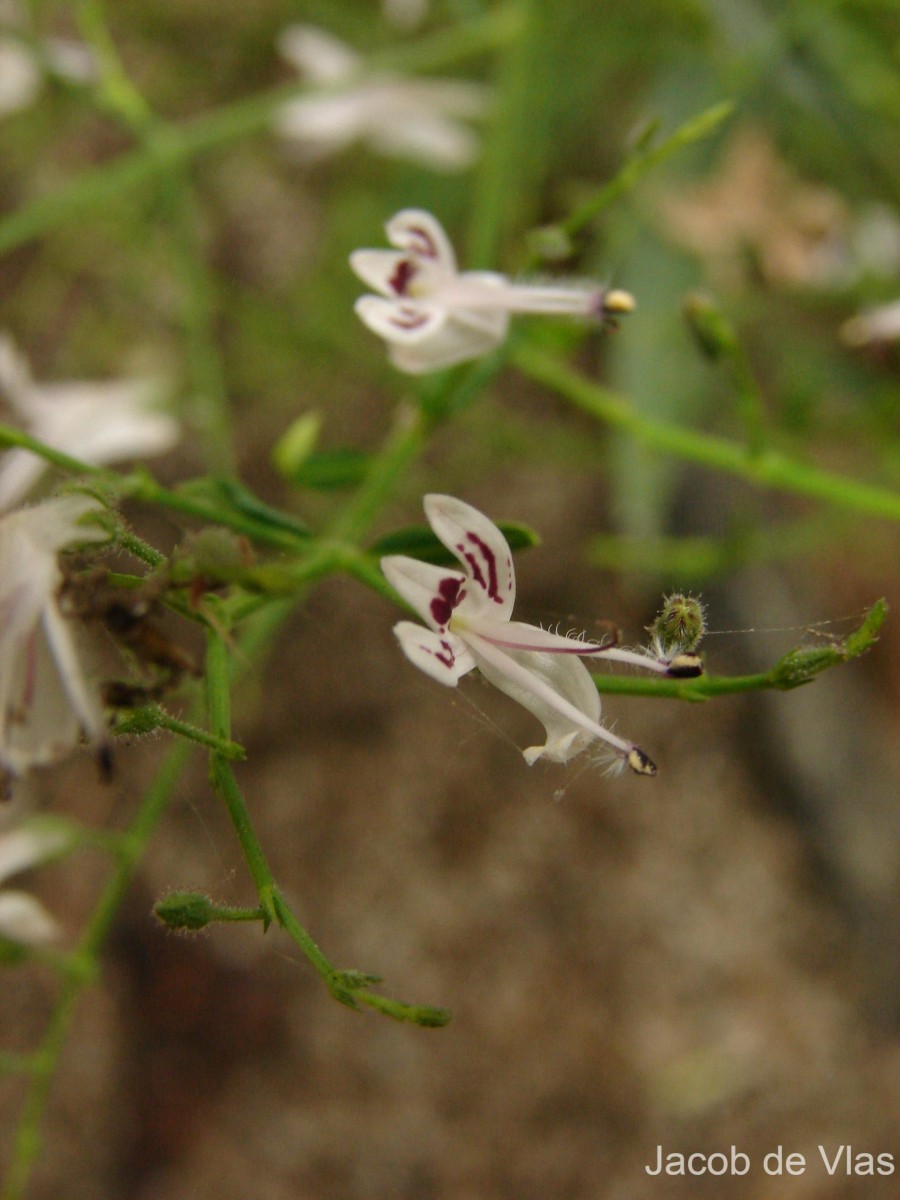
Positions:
(96, 422)
(22, 68)
(420, 119)
(46, 701)
(433, 316)
(877, 325)
(22, 918)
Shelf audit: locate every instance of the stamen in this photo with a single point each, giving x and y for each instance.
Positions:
(685, 666)
(639, 762)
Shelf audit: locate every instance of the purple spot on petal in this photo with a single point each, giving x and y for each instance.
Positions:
(422, 242)
(449, 595)
(489, 584)
(399, 281)
(448, 658)
(408, 318)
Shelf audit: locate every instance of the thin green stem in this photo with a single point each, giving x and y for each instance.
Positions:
(498, 183)
(154, 716)
(768, 469)
(693, 130)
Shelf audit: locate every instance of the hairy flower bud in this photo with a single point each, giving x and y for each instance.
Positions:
(678, 628)
(185, 910)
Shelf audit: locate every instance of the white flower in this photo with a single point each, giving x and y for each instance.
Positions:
(96, 422)
(419, 119)
(877, 325)
(469, 617)
(433, 316)
(22, 918)
(22, 69)
(46, 703)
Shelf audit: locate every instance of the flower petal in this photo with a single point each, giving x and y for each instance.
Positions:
(435, 141)
(443, 656)
(317, 55)
(20, 79)
(433, 592)
(387, 271)
(457, 339)
(23, 919)
(558, 690)
(406, 322)
(28, 845)
(45, 703)
(516, 635)
(322, 125)
(421, 234)
(481, 548)
(16, 384)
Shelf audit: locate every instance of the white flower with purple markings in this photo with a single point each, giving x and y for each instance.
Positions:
(468, 615)
(433, 316)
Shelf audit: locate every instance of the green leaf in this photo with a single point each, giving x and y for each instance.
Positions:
(329, 469)
(228, 494)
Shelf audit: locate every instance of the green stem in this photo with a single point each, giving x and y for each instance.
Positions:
(693, 130)
(498, 188)
(767, 469)
(154, 716)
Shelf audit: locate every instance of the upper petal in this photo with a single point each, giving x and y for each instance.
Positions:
(431, 591)
(481, 548)
(317, 54)
(417, 231)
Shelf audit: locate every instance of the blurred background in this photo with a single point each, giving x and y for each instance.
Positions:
(702, 960)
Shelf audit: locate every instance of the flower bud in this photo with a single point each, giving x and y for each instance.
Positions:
(678, 627)
(711, 329)
(185, 910)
